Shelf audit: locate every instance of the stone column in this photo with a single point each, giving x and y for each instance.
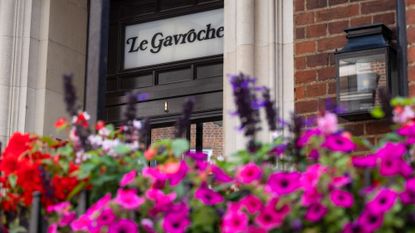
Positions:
(259, 42)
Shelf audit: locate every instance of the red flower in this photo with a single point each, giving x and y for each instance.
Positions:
(61, 123)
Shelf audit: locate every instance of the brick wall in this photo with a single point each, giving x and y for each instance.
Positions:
(410, 21)
(319, 26)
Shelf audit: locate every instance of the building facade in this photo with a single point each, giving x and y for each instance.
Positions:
(288, 44)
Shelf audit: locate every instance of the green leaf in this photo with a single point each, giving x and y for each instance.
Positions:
(377, 112)
(76, 190)
(180, 146)
(12, 180)
(122, 149)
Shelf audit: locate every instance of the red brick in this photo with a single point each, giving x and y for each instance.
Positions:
(410, 2)
(410, 34)
(338, 27)
(305, 76)
(314, 4)
(300, 63)
(411, 89)
(356, 129)
(316, 30)
(315, 90)
(377, 127)
(326, 73)
(388, 18)
(335, 2)
(299, 92)
(306, 106)
(304, 18)
(338, 12)
(331, 90)
(361, 21)
(410, 16)
(299, 33)
(331, 43)
(321, 59)
(377, 6)
(411, 73)
(299, 5)
(411, 54)
(305, 47)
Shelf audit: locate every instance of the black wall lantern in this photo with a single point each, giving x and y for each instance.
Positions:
(365, 65)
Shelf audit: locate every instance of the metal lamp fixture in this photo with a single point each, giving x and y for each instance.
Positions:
(364, 66)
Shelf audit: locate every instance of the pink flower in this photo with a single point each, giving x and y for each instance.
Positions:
(81, 224)
(402, 115)
(66, 219)
(383, 201)
(125, 226)
(128, 178)
(162, 201)
(255, 229)
(99, 205)
(340, 181)
(327, 123)
(311, 176)
(220, 175)
(128, 199)
(252, 203)
(315, 212)
(339, 143)
(197, 156)
(59, 208)
(306, 136)
(408, 195)
(310, 196)
(368, 161)
(407, 130)
(270, 217)
(208, 196)
(354, 228)
(154, 174)
(178, 176)
(234, 221)
(341, 198)
(249, 173)
(53, 228)
(283, 183)
(370, 220)
(148, 225)
(176, 222)
(107, 217)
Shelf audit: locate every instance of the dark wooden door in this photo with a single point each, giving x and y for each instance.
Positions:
(165, 84)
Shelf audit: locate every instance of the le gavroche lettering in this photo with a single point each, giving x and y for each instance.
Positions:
(159, 40)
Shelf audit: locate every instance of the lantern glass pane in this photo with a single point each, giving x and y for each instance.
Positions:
(360, 80)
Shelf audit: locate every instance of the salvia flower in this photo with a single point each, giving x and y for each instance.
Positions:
(270, 110)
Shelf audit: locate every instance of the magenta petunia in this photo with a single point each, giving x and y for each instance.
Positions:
(310, 196)
(220, 175)
(208, 196)
(128, 178)
(283, 183)
(370, 220)
(197, 155)
(311, 176)
(396, 150)
(268, 219)
(178, 176)
(339, 143)
(128, 199)
(160, 199)
(81, 224)
(327, 123)
(341, 198)
(315, 212)
(407, 130)
(249, 173)
(368, 161)
(354, 227)
(340, 181)
(408, 195)
(255, 229)
(124, 226)
(99, 205)
(234, 221)
(147, 225)
(107, 217)
(252, 204)
(383, 201)
(53, 228)
(176, 222)
(390, 166)
(306, 136)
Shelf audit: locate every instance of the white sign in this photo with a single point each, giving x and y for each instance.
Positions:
(174, 39)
